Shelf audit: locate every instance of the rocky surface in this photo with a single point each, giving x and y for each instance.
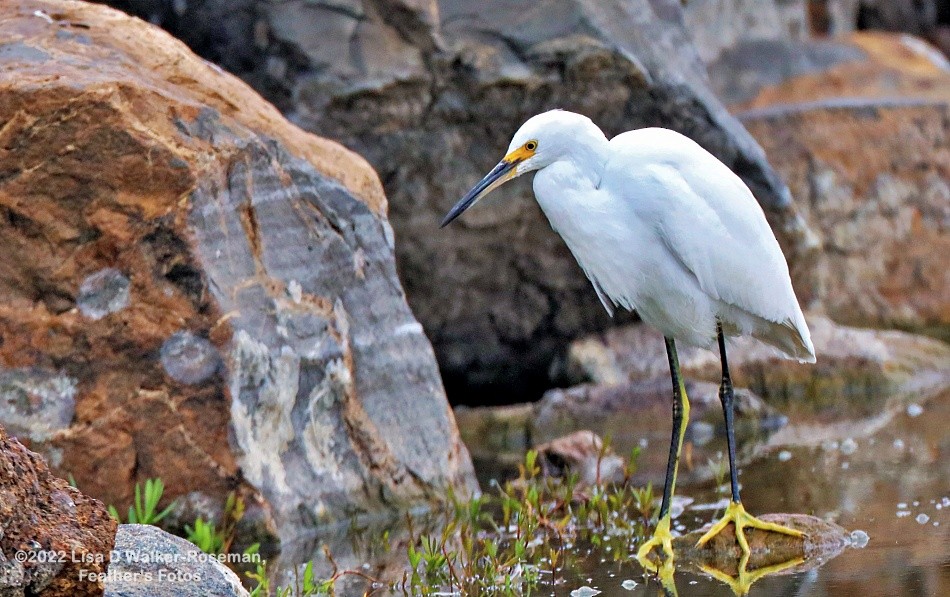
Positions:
(865, 147)
(852, 362)
(717, 25)
(54, 540)
(431, 92)
(149, 562)
(196, 290)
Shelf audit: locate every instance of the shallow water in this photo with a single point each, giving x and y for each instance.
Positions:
(885, 474)
(893, 484)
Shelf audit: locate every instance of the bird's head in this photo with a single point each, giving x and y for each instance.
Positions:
(541, 140)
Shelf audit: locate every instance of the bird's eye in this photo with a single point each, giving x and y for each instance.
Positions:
(531, 145)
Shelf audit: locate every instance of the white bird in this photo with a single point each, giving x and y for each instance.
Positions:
(660, 226)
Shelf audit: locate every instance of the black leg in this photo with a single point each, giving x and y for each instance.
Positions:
(727, 397)
(680, 418)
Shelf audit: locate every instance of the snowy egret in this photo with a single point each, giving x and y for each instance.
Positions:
(660, 226)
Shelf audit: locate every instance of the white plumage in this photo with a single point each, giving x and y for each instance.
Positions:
(660, 226)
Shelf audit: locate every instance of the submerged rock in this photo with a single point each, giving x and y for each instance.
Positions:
(582, 453)
(257, 339)
(66, 537)
(635, 414)
(822, 541)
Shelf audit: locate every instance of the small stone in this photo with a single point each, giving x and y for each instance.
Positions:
(922, 518)
(189, 359)
(914, 410)
(102, 293)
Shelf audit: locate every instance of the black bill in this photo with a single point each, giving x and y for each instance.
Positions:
(498, 176)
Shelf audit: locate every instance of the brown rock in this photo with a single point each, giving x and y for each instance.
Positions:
(871, 65)
(865, 148)
(582, 453)
(823, 540)
(917, 17)
(196, 290)
(61, 531)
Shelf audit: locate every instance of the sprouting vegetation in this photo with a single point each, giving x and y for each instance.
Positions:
(144, 508)
(216, 539)
(509, 541)
(520, 535)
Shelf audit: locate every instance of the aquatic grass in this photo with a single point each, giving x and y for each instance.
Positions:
(519, 536)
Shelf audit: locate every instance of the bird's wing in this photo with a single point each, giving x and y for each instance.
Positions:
(710, 221)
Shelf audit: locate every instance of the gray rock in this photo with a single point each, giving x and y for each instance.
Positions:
(148, 562)
(313, 431)
(36, 403)
(102, 293)
(717, 25)
(188, 358)
(431, 92)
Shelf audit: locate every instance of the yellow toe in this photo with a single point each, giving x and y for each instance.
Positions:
(661, 537)
(737, 515)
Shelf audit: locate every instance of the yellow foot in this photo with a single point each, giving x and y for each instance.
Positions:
(662, 537)
(665, 570)
(744, 579)
(736, 514)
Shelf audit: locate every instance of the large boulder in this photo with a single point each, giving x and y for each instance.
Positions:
(54, 540)
(431, 92)
(194, 289)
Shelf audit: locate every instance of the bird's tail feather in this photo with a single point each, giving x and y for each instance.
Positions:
(790, 337)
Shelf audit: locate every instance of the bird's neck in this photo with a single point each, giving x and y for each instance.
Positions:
(577, 170)
(586, 156)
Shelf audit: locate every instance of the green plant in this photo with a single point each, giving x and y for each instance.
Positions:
(211, 539)
(525, 533)
(144, 508)
(205, 536)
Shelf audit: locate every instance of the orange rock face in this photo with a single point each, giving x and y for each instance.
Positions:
(177, 256)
